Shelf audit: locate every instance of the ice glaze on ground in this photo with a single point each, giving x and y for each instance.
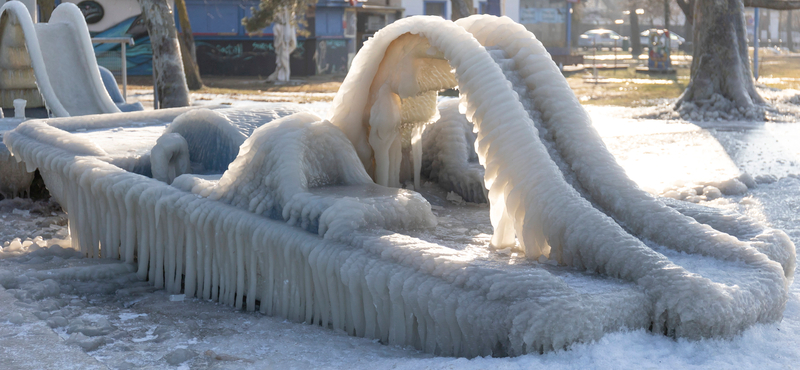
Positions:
(123, 323)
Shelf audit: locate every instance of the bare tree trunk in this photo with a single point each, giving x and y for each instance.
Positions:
(687, 6)
(668, 64)
(789, 38)
(188, 53)
(46, 8)
(284, 41)
(461, 9)
(167, 65)
(636, 41)
(721, 84)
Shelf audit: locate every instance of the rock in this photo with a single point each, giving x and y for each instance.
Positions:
(44, 289)
(88, 344)
(57, 322)
(15, 318)
(179, 356)
(711, 192)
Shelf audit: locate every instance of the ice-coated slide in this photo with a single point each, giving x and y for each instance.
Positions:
(51, 65)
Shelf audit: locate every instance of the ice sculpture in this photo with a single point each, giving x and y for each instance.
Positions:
(553, 188)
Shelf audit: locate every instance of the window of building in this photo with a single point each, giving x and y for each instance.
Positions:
(435, 8)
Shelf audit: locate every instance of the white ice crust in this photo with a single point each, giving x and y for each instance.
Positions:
(553, 187)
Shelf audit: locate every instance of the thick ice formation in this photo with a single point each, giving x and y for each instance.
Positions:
(553, 187)
(212, 140)
(303, 170)
(15, 179)
(449, 156)
(556, 188)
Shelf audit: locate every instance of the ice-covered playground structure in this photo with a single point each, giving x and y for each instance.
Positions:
(52, 67)
(295, 226)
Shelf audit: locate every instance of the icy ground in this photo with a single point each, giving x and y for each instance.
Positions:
(102, 317)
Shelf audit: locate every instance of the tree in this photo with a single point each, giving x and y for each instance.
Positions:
(188, 53)
(461, 9)
(286, 15)
(687, 6)
(722, 84)
(789, 37)
(46, 8)
(636, 42)
(170, 80)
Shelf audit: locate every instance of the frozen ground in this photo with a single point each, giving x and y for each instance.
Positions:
(103, 317)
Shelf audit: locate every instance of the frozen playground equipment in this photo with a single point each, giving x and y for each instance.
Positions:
(301, 217)
(52, 68)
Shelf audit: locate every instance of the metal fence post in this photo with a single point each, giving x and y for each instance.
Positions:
(124, 72)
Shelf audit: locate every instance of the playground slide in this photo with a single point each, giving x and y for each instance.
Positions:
(55, 58)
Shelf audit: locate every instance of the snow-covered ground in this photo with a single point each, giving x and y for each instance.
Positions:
(102, 316)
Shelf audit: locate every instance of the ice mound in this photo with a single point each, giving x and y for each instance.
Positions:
(303, 170)
(212, 139)
(169, 158)
(624, 259)
(449, 156)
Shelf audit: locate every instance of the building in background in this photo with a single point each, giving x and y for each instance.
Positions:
(444, 8)
(338, 29)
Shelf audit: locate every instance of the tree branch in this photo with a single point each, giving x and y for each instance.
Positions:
(687, 6)
(772, 4)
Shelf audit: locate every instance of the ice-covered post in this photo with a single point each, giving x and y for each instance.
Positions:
(19, 108)
(569, 26)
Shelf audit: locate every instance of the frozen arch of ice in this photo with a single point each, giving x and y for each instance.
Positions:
(552, 185)
(212, 140)
(169, 158)
(555, 187)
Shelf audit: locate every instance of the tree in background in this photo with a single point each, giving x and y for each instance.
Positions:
(188, 52)
(789, 27)
(461, 9)
(288, 17)
(170, 80)
(636, 42)
(46, 8)
(722, 83)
